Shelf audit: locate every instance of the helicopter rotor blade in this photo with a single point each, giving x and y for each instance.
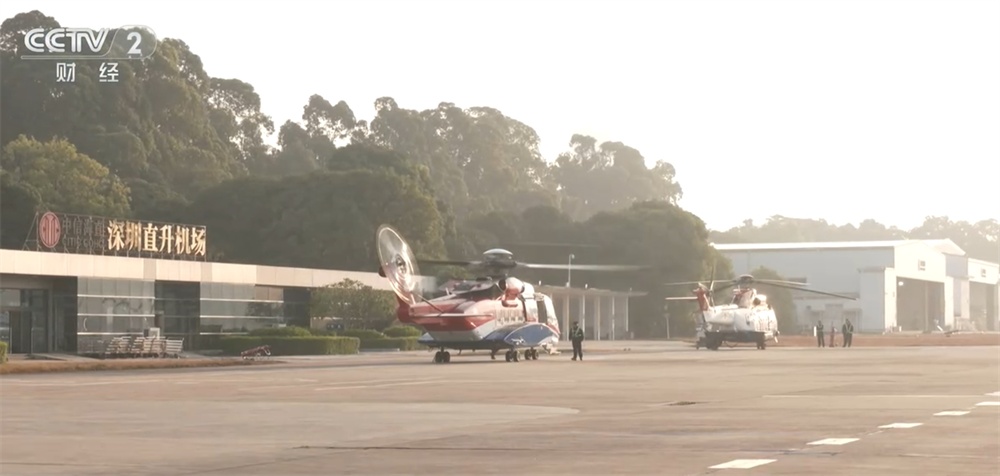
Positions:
(445, 262)
(776, 281)
(799, 288)
(711, 284)
(686, 283)
(582, 267)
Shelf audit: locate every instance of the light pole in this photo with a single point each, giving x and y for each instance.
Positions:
(569, 271)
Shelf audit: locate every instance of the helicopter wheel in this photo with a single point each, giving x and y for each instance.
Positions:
(442, 357)
(507, 356)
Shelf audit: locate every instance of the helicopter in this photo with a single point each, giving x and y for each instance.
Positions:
(747, 318)
(493, 312)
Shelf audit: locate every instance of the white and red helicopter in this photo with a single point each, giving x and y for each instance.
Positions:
(747, 318)
(495, 312)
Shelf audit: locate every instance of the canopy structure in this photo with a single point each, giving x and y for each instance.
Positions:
(604, 318)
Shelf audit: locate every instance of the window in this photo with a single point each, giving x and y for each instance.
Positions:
(921, 265)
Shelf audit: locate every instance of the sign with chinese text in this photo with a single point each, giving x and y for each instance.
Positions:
(66, 233)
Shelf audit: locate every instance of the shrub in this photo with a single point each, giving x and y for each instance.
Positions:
(282, 345)
(322, 332)
(400, 343)
(363, 334)
(3, 352)
(289, 331)
(402, 331)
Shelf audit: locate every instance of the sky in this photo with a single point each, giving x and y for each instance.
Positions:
(842, 110)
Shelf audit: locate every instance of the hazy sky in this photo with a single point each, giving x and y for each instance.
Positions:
(842, 110)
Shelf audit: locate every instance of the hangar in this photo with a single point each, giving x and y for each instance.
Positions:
(901, 285)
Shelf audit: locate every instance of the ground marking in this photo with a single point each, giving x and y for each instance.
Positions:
(988, 404)
(901, 425)
(994, 394)
(951, 413)
(834, 441)
(743, 464)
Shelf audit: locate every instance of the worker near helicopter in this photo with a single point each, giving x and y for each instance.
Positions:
(820, 336)
(848, 332)
(576, 337)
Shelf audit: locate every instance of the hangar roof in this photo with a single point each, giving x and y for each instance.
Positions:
(945, 246)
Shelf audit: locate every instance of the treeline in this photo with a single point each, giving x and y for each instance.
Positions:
(171, 143)
(979, 239)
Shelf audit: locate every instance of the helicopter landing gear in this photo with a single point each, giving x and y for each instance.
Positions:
(531, 354)
(713, 342)
(761, 343)
(512, 356)
(442, 357)
(493, 354)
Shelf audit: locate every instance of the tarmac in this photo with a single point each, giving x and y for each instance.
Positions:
(658, 409)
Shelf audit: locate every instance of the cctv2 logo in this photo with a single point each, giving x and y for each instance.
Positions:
(127, 42)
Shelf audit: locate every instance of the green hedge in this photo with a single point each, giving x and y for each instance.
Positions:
(281, 345)
(3, 352)
(288, 331)
(401, 343)
(363, 334)
(402, 331)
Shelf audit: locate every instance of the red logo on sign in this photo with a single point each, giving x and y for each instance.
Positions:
(49, 230)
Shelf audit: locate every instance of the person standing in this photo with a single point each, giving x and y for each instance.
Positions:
(833, 335)
(576, 337)
(820, 336)
(848, 331)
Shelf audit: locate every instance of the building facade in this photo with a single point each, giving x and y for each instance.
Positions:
(52, 302)
(900, 285)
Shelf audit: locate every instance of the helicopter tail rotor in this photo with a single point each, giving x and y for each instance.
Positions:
(398, 264)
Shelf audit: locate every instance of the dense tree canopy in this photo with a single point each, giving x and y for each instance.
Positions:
(171, 143)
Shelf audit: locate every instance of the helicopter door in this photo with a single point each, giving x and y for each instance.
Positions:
(539, 308)
(529, 308)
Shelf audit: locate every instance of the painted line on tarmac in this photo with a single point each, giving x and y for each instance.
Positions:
(994, 394)
(751, 463)
(743, 464)
(833, 441)
(901, 425)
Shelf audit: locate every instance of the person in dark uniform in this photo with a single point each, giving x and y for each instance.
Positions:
(576, 337)
(848, 331)
(820, 337)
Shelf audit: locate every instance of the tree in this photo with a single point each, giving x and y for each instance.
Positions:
(18, 204)
(979, 240)
(64, 179)
(350, 299)
(323, 219)
(610, 177)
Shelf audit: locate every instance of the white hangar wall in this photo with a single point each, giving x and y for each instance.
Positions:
(870, 271)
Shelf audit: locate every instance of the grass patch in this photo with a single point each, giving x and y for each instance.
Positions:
(35, 366)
